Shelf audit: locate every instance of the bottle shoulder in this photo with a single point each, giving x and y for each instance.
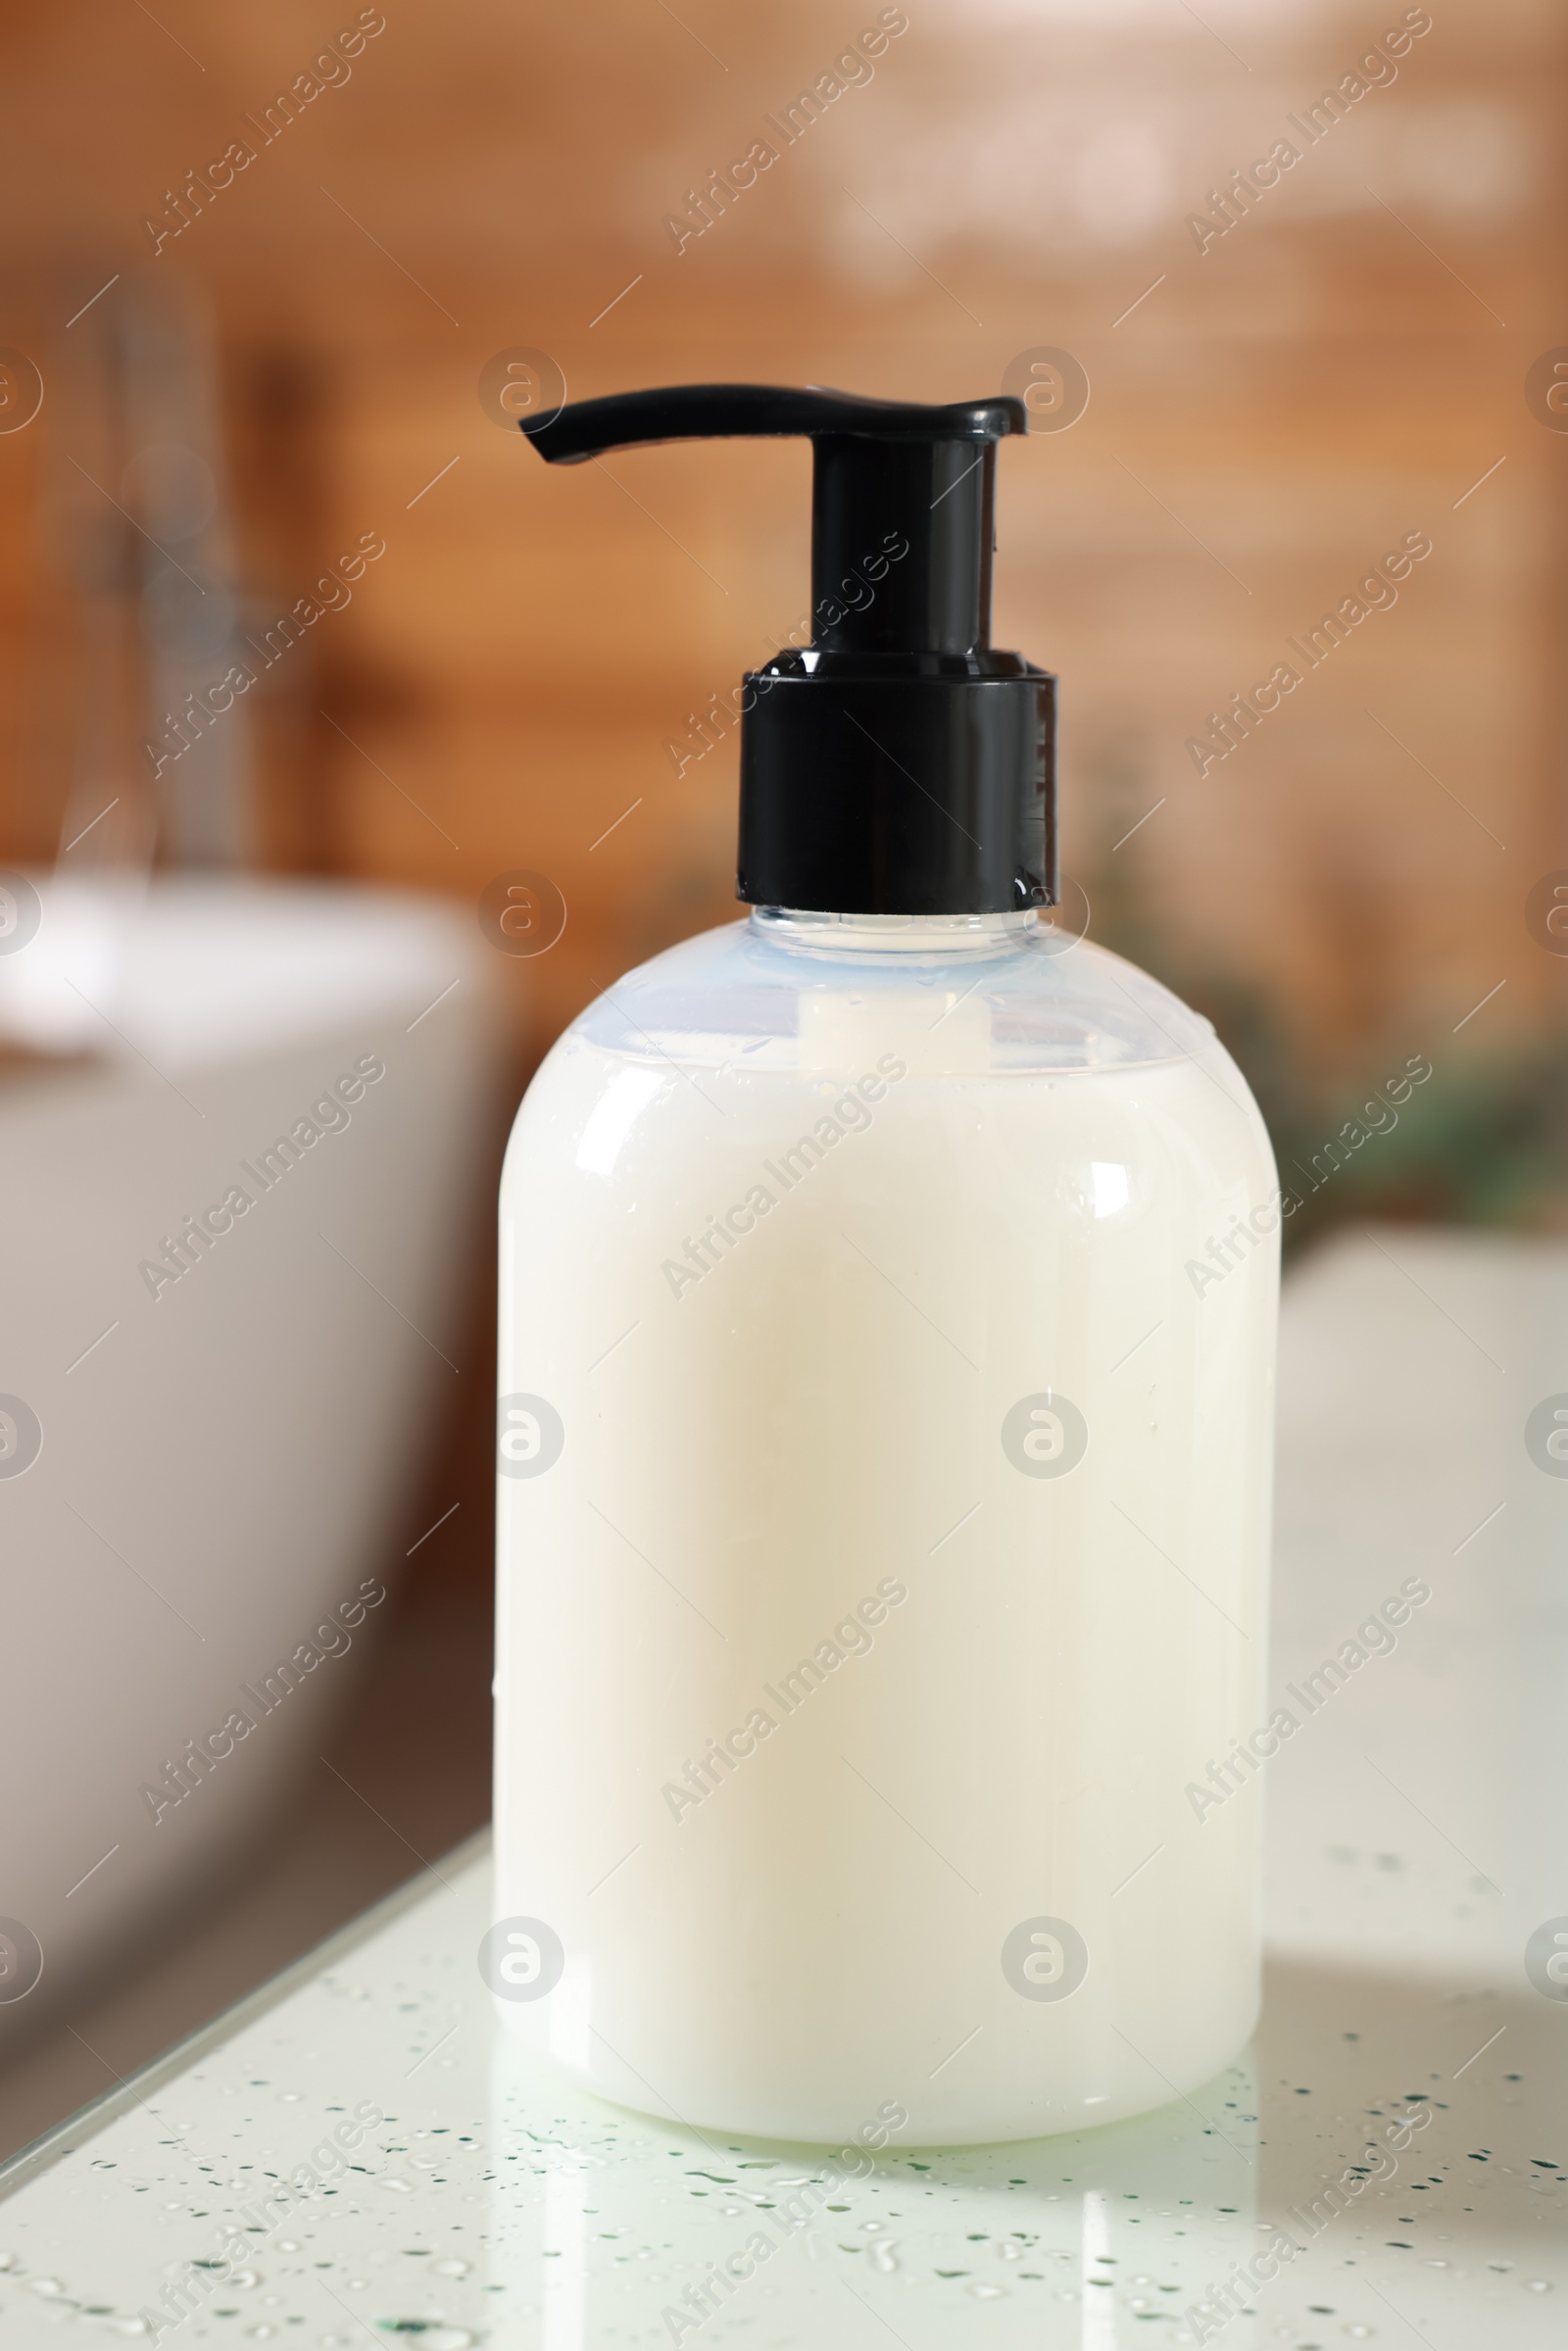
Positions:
(1036, 1001)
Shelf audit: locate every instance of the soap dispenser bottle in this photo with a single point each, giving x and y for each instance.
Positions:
(888, 1295)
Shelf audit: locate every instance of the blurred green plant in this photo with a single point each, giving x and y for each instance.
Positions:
(1484, 1141)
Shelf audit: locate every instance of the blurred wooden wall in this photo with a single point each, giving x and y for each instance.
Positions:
(1282, 407)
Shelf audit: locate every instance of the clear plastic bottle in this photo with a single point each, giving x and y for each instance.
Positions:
(888, 1312)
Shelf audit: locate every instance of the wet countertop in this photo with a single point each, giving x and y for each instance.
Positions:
(357, 2154)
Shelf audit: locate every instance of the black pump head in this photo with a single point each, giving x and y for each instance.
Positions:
(899, 764)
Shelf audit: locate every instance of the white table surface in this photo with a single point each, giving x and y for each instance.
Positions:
(1419, 1838)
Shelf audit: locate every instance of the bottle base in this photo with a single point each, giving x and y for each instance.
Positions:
(855, 2138)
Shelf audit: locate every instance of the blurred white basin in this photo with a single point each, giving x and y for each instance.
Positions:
(225, 1456)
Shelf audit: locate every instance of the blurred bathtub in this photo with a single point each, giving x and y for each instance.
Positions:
(225, 1461)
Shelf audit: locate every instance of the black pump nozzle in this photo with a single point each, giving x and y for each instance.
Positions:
(899, 764)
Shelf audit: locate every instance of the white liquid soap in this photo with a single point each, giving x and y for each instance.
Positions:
(886, 1394)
